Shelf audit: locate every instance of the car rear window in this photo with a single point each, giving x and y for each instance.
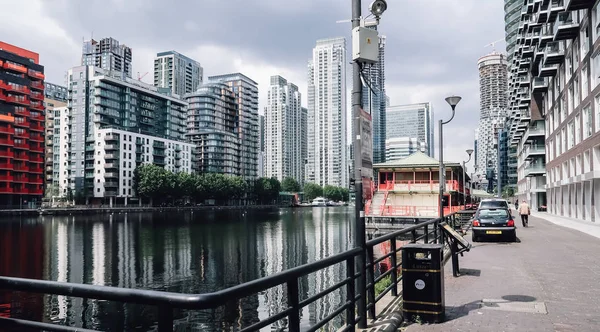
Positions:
(493, 213)
(493, 204)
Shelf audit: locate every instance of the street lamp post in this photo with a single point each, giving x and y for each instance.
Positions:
(469, 152)
(452, 101)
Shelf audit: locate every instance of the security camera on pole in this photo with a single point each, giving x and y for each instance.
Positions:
(365, 50)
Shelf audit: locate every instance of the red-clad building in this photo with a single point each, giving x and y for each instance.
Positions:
(21, 127)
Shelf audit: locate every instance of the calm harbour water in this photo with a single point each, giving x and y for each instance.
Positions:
(187, 252)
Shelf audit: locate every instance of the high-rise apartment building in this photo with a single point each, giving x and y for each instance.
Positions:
(555, 103)
(112, 126)
(401, 147)
(283, 131)
(261, 156)
(177, 72)
(327, 160)
(512, 19)
(212, 126)
(493, 99)
(21, 127)
(109, 55)
(245, 92)
(54, 96)
(413, 120)
(374, 101)
(304, 138)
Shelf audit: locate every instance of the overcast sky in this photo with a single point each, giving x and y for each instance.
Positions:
(432, 45)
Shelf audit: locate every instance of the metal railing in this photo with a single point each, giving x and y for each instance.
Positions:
(166, 302)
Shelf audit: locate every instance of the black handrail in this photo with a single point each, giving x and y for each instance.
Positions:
(167, 301)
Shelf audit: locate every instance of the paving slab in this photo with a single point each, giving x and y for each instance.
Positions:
(548, 281)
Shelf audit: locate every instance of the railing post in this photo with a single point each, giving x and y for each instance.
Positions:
(426, 236)
(293, 303)
(394, 267)
(436, 225)
(414, 235)
(165, 318)
(371, 281)
(350, 291)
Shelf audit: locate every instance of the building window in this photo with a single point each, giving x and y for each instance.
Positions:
(570, 101)
(595, 70)
(577, 129)
(585, 40)
(584, 81)
(577, 96)
(587, 122)
(597, 113)
(571, 135)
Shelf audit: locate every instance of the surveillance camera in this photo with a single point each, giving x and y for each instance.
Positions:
(377, 7)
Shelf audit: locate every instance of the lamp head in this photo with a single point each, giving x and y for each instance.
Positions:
(469, 152)
(453, 101)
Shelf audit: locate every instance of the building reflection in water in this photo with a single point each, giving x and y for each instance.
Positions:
(192, 252)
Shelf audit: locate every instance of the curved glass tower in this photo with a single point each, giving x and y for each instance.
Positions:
(512, 18)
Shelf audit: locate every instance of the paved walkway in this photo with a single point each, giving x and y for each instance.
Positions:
(550, 281)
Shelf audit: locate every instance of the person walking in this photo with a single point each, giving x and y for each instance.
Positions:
(524, 211)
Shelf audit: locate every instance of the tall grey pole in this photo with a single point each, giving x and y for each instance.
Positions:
(359, 229)
(442, 173)
(464, 187)
(498, 171)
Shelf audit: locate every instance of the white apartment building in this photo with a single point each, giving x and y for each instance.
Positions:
(115, 155)
(401, 147)
(493, 105)
(283, 131)
(558, 84)
(327, 159)
(177, 72)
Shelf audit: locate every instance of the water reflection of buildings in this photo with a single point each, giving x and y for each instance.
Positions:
(191, 253)
(22, 255)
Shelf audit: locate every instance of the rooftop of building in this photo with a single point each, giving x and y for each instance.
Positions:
(407, 107)
(167, 53)
(231, 77)
(417, 159)
(35, 57)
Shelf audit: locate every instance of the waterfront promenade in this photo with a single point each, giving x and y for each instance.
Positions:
(546, 282)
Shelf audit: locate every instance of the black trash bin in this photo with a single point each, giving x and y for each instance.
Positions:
(423, 282)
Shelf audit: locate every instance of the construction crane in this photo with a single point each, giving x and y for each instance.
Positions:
(493, 44)
(140, 77)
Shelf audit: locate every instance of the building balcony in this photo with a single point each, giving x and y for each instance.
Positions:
(524, 64)
(548, 71)
(540, 85)
(37, 105)
(111, 175)
(36, 159)
(15, 67)
(7, 166)
(111, 184)
(566, 26)
(535, 170)
(36, 170)
(554, 53)
(111, 147)
(535, 150)
(419, 186)
(15, 89)
(18, 100)
(535, 132)
(524, 81)
(571, 5)
(37, 96)
(111, 165)
(37, 85)
(556, 7)
(110, 137)
(36, 74)
(111, 156)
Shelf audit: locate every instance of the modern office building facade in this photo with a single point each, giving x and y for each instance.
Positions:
(54, 96)
(401, 147)
(245, 92)
(108, 54)
(413, 120)
(558, 129)
(512, 19)
(327, 159)
(261, 156)
(212, 126)
(283, 131)
(177, 72)
(98, 102)
(493, 99)
(21, 127)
